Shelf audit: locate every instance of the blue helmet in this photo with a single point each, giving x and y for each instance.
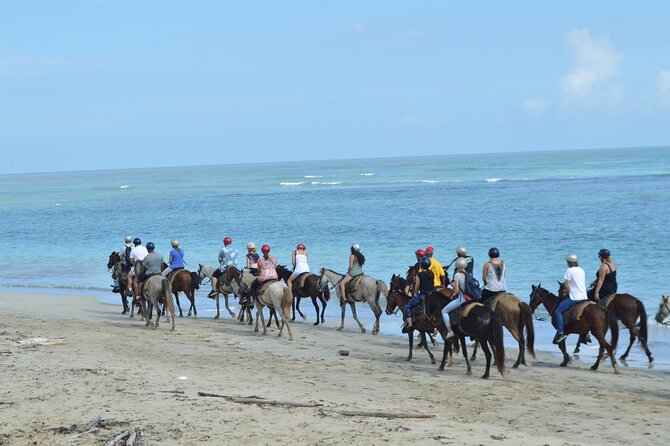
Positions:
(137, 241)
(150, 246)
(424, 262)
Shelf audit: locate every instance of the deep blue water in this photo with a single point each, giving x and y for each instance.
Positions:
(57, 229)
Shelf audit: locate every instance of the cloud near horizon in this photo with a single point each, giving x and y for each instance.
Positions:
(595, 63)
(535, 105)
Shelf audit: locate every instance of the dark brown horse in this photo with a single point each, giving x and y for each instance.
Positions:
(628, 309)
(594, 320)
(187, 282)
(396, 301)
(120, 273)
(311, 289)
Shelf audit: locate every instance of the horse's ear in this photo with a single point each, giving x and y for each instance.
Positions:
(559, 283)
(532, 286)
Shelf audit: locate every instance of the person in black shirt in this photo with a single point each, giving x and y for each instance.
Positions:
(424, 282)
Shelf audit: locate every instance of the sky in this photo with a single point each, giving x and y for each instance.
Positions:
(114, 84)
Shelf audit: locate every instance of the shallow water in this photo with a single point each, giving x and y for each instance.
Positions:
(537, 207)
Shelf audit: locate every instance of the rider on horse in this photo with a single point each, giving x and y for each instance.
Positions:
(124, 256)
(459, 285)
(137, 254)
(462, 253)
(437, 269)
(575, 286)
(267, 266)
(300, 265)
(424, 282)
(252, 259)
(175, 259)
(493, 276)
(605, 283)
(356, 262)
(227, 257)
(152, 263)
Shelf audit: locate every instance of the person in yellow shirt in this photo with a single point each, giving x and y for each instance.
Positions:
(436, 267)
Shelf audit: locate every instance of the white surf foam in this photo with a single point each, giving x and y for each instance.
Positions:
(330, 183)
(313, 176)
(125, 186)
(493, 180)
(367, 174)
(288, 183)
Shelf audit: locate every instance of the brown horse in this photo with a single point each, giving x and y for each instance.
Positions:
(594, 320)
(628, 309)
(311, 288)
(187, 282)
(120, 273)
(516, 317)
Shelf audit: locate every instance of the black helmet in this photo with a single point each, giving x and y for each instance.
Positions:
(424, 262)
(604, 253)
(150, 246)
(137, 241)
(494, 253)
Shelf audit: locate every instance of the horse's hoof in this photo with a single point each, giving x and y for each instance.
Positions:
(279, 335)
(485, 376)
(323, 320)
(409, 358)
(304, 318)
(473, 358)
(651, 359)
(339, 328)
(216, 317)
(362, 329)
(232, 314)
(616, 371)
(432, 361)
(594, 367)
(256, 330)
(290, 338)
(469, 372)
(440, 369)
(516, 366)
(181, 315)
(132, 315)
(563, 364)
(293, 319)
(316, 323)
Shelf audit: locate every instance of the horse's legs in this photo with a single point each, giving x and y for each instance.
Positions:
(521, 358)
(191, 297)
(297, 306)
(566, 357)
(272, 311)
(411, 344)
(230, 312)
(260, 311)
(378, 312)
(323, 308)
(473, 357)
(218, 311)
(445, 351)
(353, 311)
(604, 346)
(343, 307)
(465, 354)
(487, 354)
(630, 344)
(425, 345)
(316, 308)
(176, 296)
(158, 315)
(145, 306)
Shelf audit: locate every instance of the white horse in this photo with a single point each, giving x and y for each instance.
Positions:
(276, 297)
(153, 289)
(369, 290)
(206, 271)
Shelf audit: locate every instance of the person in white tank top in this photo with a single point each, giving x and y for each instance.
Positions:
(493, 275)
(300, 265)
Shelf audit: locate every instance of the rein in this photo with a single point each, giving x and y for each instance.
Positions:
(539, 318)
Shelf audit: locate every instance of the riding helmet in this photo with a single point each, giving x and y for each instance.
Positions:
(494, 253)
(571, 258)
(461, 263)
(227, 241)
(604, 253)
(424, 262)
(300, 246)
(251, 245)
(175, 243)
(127, 239)
(356, 247)
(430, 250)
(420, 253)
(462, 251)
(265, 249)
(137, 241)
(150, 246)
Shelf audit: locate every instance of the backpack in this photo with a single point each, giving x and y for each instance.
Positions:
(126, 255)
(471, 289)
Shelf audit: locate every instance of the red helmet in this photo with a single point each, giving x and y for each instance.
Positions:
(265, 249)
(430, 249)
(300, 246)
(420, 253)
(227, 241)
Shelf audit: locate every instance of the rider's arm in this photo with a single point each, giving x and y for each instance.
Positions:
(484, 271)
(248, 263)
(416, 283)
(601, 279)
(293, 259)
(456, 285)
(351, 263)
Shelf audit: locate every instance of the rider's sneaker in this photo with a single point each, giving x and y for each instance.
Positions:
(116, 289)
(560, 337)
(449, 335)
(212, 294)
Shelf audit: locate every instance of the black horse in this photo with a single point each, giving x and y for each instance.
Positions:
(311, 289)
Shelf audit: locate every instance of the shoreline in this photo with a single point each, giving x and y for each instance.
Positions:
(148, 380)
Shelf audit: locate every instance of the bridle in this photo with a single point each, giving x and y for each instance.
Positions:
(664, 306)
(538, 318)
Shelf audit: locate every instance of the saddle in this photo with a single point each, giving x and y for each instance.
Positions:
(353, 284)
(607, 301)
(462, 312)
(173, 274)
(574, 313)
(492, 302)
(420, 313)
(300, 280)
(265, 287)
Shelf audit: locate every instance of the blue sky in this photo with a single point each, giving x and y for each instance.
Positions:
(110, 84)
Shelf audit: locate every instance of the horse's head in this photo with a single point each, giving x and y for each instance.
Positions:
(282, 272)
(114, 258)
(201, 273)
(397, 283)
(323, 280)
(562, 292)
(663, 309)
(536, 296)
(391, 302)
(163, 266)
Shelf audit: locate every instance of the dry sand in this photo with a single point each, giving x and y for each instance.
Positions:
(113, 367)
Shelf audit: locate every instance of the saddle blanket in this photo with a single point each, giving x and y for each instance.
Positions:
(419, 313)
(174, 274)
(574, 313)
(462, 312)
(353, 284)
(300, 281)
(265, 287)
(607, 301)
(492, 303)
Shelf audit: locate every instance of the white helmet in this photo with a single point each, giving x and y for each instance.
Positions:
(462, 251)
(175, 243)
(461, 263)
(571, 258)
(251, 245)
(128, 239)
(356, 247)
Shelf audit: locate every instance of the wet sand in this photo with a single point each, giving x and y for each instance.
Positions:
(132, 377)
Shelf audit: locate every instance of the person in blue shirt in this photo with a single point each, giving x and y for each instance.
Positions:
(175, 259)
(227, 257)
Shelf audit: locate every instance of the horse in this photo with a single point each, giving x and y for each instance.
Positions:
(206, 271)
(276, 296)
(663, 311)
(120, 273)
(187, 282)
(396, 301)
(516, 317)
(628, 309)
(369, 290)
(157, 289)
(311, 289)
(593, 319)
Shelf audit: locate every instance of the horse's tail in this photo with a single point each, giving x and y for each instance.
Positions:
(167, 295)
(195, 281)
(526, 321)
(381, 288)
(642, 312)
(497, 341)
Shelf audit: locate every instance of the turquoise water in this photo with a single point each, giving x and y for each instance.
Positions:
(59, 228)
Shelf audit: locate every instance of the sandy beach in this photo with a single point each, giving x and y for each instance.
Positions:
(147, 381)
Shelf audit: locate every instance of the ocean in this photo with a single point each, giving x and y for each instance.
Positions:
(57, 229)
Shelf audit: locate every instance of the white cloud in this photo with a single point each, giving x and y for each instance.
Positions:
(595, 63)
(664, 82)
(535, 105)
(358, 27)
